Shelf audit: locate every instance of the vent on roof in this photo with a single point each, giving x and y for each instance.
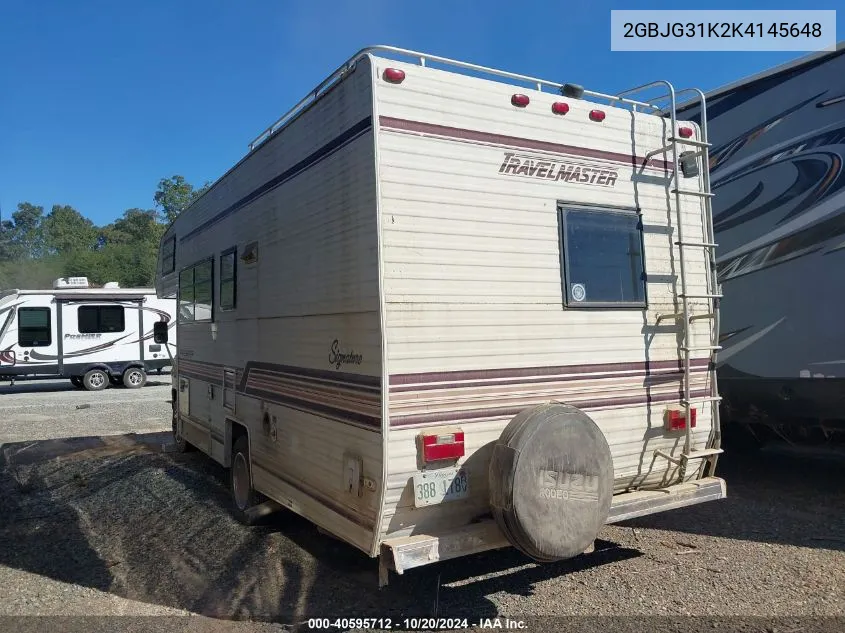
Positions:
(111, 284)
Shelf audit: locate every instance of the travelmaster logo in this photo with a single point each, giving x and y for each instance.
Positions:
(542, 168)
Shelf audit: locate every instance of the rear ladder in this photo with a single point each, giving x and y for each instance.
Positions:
(713, 294)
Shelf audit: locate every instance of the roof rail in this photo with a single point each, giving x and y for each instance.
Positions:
(422, 59)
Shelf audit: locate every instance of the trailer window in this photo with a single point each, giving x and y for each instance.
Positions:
(34, 328)
(228, 276)
(196, 292)
(602, 257)
(100, 319)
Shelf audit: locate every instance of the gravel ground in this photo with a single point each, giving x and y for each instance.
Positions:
(117, 525)
(47, 409)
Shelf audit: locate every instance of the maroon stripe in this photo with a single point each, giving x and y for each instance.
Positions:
(649, 379)
(494, 412)
(531, 372)
(518, 142)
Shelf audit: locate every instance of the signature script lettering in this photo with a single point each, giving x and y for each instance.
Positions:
(338, 358)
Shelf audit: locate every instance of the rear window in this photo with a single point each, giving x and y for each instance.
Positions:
(603, 264)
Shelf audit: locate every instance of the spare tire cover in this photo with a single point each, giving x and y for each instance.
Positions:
(551, 481)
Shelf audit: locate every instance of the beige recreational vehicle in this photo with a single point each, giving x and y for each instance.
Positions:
(439, 308)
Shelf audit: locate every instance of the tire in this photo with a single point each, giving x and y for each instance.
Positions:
(181, 445)
(76, 381)
(134, 378)
(95, 380)
(240, 481)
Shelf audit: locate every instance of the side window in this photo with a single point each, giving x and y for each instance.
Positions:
(602, 257)
(100, 319)
(168, 256)
(196, 291)
(228, 279)
(34, 327)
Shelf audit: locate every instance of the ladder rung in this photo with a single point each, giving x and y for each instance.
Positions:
(701, 349)
(687, 141)
(701, 400)
(690, 192)
(697, 317)
(712, 296)
(703, 244)
(706, 452)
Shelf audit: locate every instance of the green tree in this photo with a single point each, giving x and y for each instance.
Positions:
(23, 236)
(174, 195)
(66, 230)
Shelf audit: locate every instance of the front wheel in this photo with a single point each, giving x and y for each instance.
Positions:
(181, 445)
(95, 380)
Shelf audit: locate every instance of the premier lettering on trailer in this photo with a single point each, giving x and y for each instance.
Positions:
(542, 168)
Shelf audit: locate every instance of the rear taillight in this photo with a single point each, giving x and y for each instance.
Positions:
(675, 419)
(442, 446)
(685, 132)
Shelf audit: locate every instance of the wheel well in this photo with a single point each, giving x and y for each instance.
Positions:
(234, 430)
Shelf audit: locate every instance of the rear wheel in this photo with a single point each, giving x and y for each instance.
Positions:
(134, 378)
(95, 380)
(240, 478)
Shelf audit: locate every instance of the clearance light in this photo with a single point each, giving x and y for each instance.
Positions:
(559, 107)
(520, 101)
(394, 75)
(596, 115)
(674, 420)
(440, 447)
(685, 132)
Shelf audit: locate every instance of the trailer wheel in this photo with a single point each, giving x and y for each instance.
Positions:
(95, 380)
(134, 378)
(76, 381)
(240, 479)
(551, 482)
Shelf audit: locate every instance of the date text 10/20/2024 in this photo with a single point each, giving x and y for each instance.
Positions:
(413, 624)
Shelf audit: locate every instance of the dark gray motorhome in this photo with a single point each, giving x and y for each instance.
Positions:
(778, 147)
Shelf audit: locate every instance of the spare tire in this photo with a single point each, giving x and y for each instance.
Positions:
(551, 482)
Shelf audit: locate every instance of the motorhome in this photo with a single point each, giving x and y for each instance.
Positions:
(439, 308)
(779, 217)
(94, 336)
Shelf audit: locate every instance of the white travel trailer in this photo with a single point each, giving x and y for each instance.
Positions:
(779, 217)
(439, 308)
(91, 335)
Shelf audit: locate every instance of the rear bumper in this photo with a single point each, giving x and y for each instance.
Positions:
(422, 549)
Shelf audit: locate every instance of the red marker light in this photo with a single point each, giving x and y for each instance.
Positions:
(685, 132)
(559, 107)
(596, 115)
(394, 75)
(520, 101)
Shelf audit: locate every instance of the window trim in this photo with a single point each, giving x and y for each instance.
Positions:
(563, 242)
(233, 251)
(49, 312)
(167, 270)
(193, 266)
(98, 307)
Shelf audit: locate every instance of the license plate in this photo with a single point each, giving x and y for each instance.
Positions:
(438, 486)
